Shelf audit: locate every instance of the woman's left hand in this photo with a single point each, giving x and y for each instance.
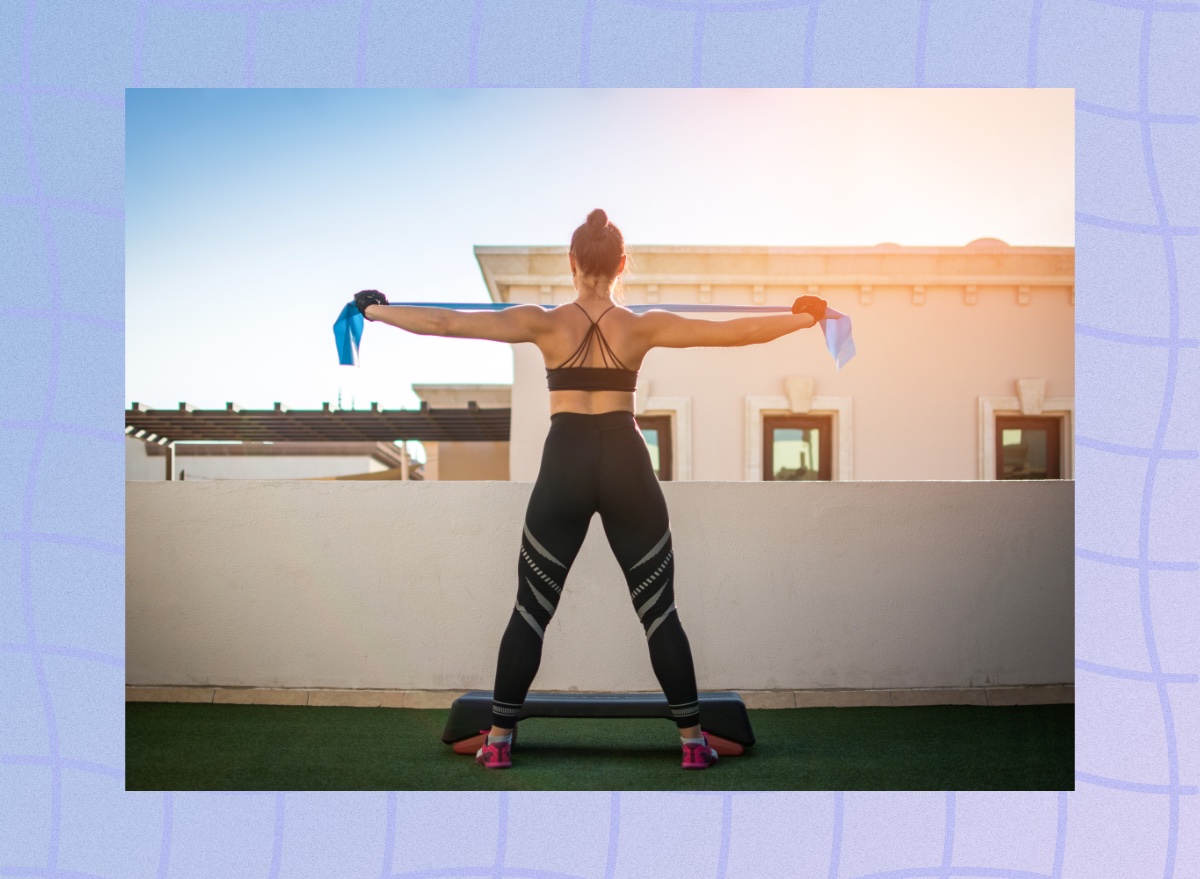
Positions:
(366, 298)
(813, 305)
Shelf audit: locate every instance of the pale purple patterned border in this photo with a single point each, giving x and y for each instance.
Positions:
(64, 813)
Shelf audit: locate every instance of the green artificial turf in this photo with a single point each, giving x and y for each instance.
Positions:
(181, 746)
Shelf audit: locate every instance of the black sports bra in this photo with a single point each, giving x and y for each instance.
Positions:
(569, 377)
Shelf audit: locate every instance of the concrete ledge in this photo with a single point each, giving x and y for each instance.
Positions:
(1052, 694)
(939, 696)
(768, 698)
(357, 698)
(169, 694)
(431, 698)
(260, 696)
(843, 698)
(1044, 694)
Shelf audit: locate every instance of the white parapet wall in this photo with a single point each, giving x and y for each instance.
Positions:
(874, 585)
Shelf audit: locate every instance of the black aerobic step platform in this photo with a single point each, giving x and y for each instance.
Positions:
(723, 713)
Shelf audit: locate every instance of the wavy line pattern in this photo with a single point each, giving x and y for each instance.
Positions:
(49, 777)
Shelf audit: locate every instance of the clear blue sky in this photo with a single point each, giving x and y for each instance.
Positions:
(253, 215)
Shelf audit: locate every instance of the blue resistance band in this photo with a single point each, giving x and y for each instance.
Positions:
(348, 328)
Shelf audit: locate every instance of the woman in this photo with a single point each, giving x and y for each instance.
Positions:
(594, 460)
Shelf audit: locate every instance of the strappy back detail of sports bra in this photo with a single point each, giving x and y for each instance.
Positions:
(581, 353)
(571, 376)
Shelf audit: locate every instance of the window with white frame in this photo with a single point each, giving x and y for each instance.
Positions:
(1028, 436)
(834, 428)
(1028, 447)
(797, 448)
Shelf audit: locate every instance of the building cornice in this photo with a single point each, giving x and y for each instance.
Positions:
(875, 249)
(679, 273)
(857, 280)
(461, 396)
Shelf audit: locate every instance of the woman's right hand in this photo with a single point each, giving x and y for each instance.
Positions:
(366, 298)
(812, 305)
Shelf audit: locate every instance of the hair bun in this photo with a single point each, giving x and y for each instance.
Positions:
(598, 247)
(597, 220)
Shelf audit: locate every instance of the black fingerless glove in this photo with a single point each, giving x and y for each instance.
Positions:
(365, 298)
(813, 305)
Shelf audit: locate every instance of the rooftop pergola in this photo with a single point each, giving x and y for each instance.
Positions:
(327, 424)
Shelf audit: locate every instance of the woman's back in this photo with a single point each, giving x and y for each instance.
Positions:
(614, 325)
(592, 334)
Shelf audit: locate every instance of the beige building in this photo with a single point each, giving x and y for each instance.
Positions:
(451, 461)
(964, 370)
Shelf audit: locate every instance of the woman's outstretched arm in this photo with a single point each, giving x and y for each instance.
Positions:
(521, 323)
(664, 329)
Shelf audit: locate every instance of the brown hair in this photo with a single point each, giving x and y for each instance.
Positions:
(598, 246)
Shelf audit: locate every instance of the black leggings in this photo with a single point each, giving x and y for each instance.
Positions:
(590, 464)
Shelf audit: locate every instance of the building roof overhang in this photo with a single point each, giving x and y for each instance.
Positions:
(281, 424)
(985, 262)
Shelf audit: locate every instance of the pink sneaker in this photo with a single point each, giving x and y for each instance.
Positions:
(497, 756)
(699, 756)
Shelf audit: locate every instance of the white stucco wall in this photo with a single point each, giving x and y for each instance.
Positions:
(779, 585)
